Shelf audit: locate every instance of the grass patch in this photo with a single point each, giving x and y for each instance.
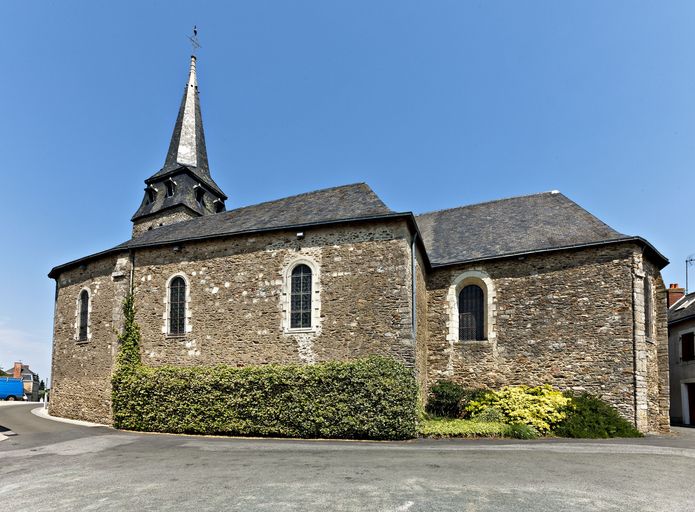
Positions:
(447, 427)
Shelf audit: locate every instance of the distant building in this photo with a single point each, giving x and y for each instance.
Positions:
(681, 342)
(30, 379)
(525, 290)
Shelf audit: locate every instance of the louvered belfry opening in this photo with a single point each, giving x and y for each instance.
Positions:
(471, 313)
(300, 299)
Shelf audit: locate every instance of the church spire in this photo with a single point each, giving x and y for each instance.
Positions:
(187, 146)
(183, 188)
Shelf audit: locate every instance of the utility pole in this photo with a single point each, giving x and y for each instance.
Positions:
(690, 260)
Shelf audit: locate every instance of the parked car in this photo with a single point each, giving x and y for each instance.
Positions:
(11, 389)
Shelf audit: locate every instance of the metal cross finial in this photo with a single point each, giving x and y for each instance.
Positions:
(194, 39)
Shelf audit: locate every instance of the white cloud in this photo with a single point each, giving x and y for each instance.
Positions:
(30, 348)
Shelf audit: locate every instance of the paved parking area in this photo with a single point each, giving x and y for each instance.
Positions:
(57, 466)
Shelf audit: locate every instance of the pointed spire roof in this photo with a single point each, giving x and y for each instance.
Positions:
(187, 146)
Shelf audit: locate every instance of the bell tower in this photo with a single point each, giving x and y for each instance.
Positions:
(183, 188)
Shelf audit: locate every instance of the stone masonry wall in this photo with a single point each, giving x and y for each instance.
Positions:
(81, 370)
(164, 218)
(570, 319)
(563, 318)
(657, 349)
(237, 296)
(421, 327)
(236, 308)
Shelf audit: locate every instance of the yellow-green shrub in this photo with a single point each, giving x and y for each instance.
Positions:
(541, 407)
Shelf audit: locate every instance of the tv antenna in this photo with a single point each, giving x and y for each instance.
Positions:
(690, 260)
(195, 44)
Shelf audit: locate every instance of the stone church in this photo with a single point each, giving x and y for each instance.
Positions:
(525, 290)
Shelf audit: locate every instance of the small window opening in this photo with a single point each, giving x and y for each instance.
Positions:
(200, 196)
(648, 308)
(219, 206)
(688, 346)
(171, 187)
(84, 316)
(151, 195)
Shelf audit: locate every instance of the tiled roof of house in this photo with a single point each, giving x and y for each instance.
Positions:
(517, 225)
(682, 309)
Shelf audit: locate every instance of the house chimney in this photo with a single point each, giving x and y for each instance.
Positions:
(674, 293)
(17, 370)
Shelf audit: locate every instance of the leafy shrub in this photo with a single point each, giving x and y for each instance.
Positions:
(541, 407)
(522, 431)
(448, 399)
(447, 427)
(372, 398)
(491, 414)
(444, 399)
(590, 417)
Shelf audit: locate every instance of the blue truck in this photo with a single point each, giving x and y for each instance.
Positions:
(11, 389)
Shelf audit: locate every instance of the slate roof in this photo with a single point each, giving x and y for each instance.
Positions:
(496, 229)
(683, 309)
(318, 207)
(511, 226)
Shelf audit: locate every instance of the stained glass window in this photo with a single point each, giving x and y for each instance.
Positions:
(300, 298)
(471, 313)
(177, 306)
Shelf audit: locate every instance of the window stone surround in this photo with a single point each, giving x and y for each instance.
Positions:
(311, 262)
(483, 280)
(188, 326)
(89, 315)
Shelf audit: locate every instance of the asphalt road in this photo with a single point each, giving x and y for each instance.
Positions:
(55, 466)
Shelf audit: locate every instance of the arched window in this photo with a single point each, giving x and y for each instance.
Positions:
(177, 306)
(471, 313)
(84, 316)
(300, 298)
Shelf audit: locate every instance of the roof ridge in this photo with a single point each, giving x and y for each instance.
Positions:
(306, 194)
(550, 192)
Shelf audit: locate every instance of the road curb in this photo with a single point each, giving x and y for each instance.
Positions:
(43, 413)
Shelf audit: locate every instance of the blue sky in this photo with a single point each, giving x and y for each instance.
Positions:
(434, 104)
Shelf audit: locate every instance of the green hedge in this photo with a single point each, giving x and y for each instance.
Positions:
(371, 398)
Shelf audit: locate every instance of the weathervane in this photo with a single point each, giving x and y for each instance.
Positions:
(195, 44)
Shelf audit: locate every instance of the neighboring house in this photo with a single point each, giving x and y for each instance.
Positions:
(525, 290)
(681, 341)
(29, 378)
